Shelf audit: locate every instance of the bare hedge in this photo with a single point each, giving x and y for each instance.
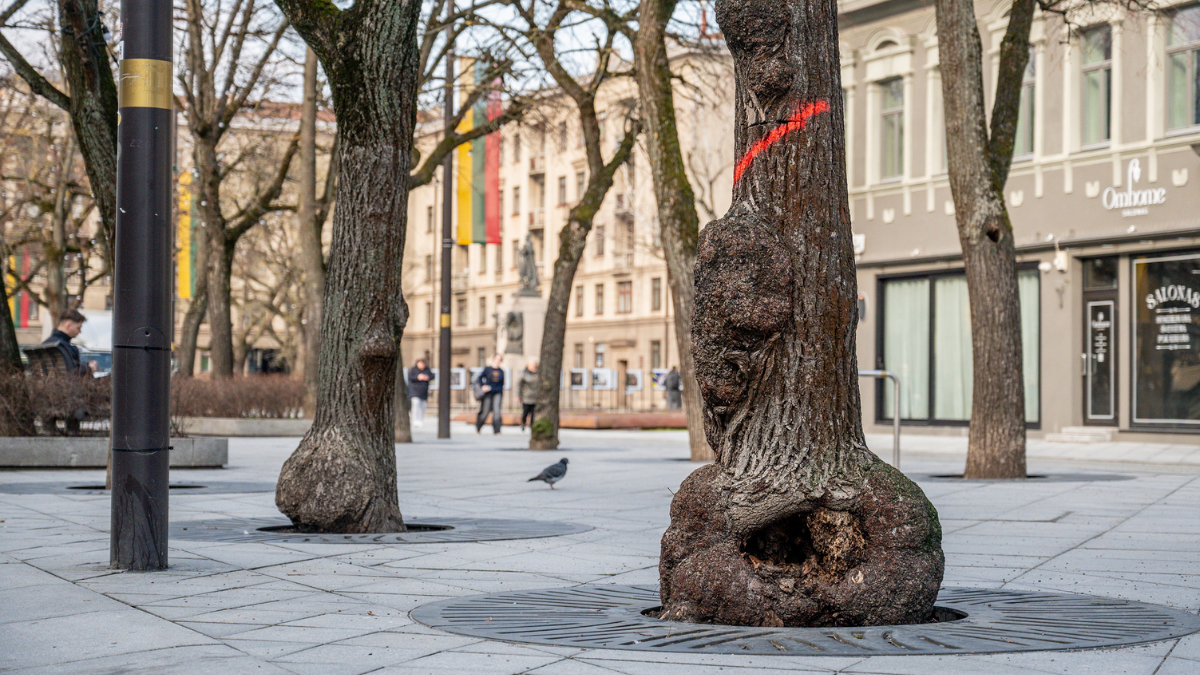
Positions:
(259, 396)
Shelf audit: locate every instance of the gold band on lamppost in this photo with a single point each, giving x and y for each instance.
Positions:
(145, 83)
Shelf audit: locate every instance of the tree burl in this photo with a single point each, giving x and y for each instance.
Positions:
(797, 523)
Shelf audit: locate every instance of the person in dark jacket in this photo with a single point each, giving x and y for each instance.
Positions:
(527, 392)
(491, 383)
(419, 377)
(673, 383)
(70, 323)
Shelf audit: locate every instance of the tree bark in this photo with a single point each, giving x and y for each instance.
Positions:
(797, 523)
(403, 405)
(978, 168)
(342, 477)
(196, 310)
(679, 223)
(16, 411)
(311, 255)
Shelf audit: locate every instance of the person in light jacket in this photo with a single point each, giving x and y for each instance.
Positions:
(527, 392)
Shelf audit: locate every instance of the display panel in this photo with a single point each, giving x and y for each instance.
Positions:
(1166, 369)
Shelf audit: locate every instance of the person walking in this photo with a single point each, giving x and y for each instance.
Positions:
(527, 392)
(491, 386)
(673, 383)
(419, 377)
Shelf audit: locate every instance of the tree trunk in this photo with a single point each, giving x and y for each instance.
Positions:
(311, 255)
(196, 310)
(679, 224)
(342, 478)
(797, 523)
(93, 108)
(403, 405)
(978, 167)
(16, 412)
(220, 314)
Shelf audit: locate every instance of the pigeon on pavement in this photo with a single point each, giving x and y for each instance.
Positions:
(552, 474)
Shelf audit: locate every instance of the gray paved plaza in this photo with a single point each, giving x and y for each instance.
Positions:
(232, 607)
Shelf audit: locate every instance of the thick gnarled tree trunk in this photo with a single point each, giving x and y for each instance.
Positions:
(797, 523)
(679, 224)
(978, 168)
(342, 478)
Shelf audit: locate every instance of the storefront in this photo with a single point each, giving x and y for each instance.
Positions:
(1166, 341)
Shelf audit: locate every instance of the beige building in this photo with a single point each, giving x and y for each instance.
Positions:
(620, 315)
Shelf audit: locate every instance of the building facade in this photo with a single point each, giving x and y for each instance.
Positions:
(1104, 202)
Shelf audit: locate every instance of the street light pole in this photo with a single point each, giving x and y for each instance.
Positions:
(447, 238)
(142, 325)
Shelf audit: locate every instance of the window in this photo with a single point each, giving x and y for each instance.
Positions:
(578, 355)
(482, 310)
(1166, 352)
(656, 353)
(599, 299)
(926, 340)
(483, 259)
(499, 301)
(1183, 69)
(579, 185)
(429, 219)
(499, 260)
(599, 240)
(656, 294)
(500, 152)
(892, 128)
(1097, 84)
(429, 315)
(562, 190)
(1023, 143)
(429, 268)
(481, 357)
(516, 150)
(579, 301)
(516, 201)
(516, 252)
(462, 312)
(562, 136)
(624, 297)
(601, 348)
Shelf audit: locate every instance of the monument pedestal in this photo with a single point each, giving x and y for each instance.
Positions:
(526, 343)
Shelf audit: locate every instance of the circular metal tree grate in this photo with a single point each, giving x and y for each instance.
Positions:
(610, 617)
(97, 488)
(424, 531)
(1032, 478)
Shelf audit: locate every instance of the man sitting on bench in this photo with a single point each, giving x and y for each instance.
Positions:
(70, 323)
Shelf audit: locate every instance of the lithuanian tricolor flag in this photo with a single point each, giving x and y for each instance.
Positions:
(478, 170)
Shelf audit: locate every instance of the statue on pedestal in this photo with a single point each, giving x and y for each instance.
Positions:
(527, 266)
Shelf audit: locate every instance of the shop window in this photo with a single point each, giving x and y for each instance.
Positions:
(1023, 141)
(926, 340)
(892, 128)
(1183, 69)
(1097, 84)
(1166, 369)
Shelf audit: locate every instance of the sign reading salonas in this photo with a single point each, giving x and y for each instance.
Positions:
(1133, 202)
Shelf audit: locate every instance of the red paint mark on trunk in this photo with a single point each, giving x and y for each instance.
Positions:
(795, 123)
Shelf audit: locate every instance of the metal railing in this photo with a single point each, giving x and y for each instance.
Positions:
(881, 374)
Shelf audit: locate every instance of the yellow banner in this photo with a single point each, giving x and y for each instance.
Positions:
(462, 175)
(183, 237)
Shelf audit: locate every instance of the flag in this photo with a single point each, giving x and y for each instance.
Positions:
(185, 256)
(477, 191)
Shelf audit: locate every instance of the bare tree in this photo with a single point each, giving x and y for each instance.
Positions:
(90, 99)
(342, 477)
(797, 522)
(229, 55)
(978, 168)
(541, 26)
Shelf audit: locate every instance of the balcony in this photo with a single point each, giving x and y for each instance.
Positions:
(537, 165)
(537, 219)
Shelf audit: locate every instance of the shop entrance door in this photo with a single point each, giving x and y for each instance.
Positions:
(1099, 365)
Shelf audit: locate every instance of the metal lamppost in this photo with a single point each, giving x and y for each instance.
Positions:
(447, 239)
(142, 322)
